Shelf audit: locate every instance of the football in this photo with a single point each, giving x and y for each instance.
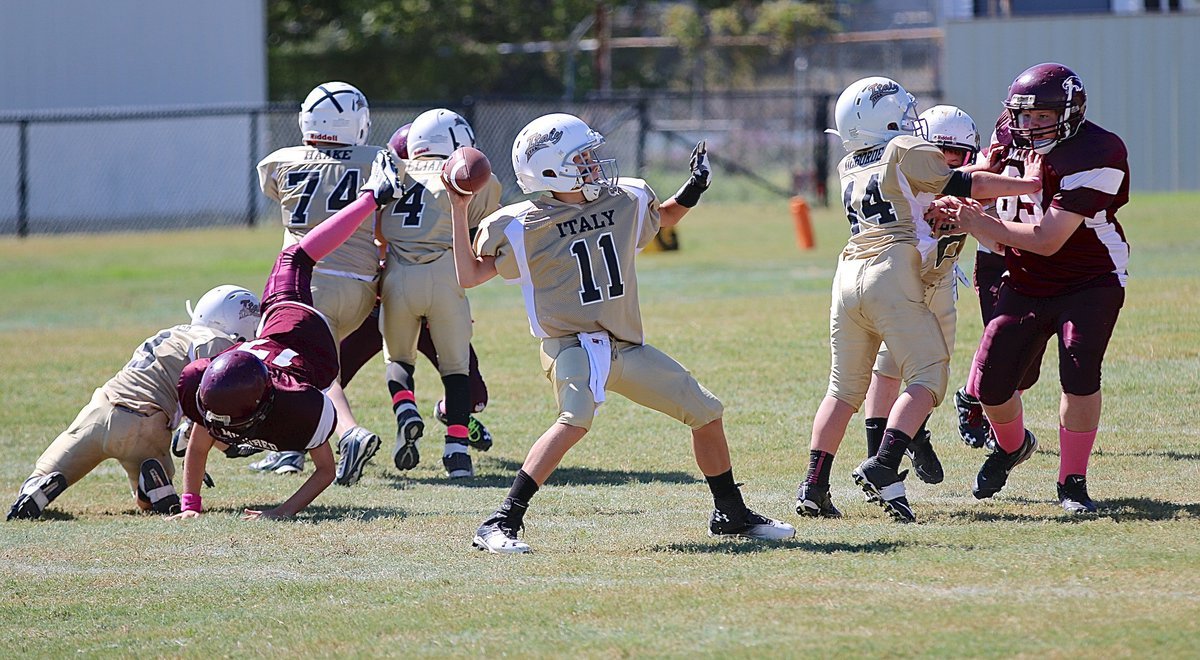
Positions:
(467, 170)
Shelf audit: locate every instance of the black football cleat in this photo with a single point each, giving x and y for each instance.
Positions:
(748, 524)
(973, 425)
(887, 486)
(36, 494)
(409, 429)
(994, 472)
(814, 501)
(1073, 495)
(355, 448)
(155, 489)
(924, 459)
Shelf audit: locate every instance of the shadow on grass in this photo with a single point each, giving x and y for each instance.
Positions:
(316, 513)
(750, 546)
(563, 476)
(1120, 509)
(1145, 453)
(53, 514)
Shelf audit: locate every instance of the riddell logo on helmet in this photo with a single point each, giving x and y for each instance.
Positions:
(323, 137)
(880, 90)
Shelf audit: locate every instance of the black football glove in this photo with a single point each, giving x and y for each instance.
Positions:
(383, 184)
(689, 194)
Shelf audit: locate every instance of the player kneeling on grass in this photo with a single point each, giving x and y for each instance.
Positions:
(131, 416)
(268, 393)
(572, 251)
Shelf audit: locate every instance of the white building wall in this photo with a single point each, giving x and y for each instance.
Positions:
(89, 54)
(92, 57)
(1139, 71)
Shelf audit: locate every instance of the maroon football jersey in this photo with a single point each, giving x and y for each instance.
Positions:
(297, 346)
(1087, 174)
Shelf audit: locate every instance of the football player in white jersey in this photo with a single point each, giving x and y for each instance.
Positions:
(131, 416)
(311, 182)
(419, 288)
(572, 252)
(889, 176)
(954, 132)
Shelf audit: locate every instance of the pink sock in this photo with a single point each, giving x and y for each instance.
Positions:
(1010, 435)
(1074, 449)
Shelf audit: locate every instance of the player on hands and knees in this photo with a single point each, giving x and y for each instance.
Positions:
(269, 393)
(419, 288)
(572, 252)
(1066, 256)
(131, 416)
(310, 183)
(877, 292)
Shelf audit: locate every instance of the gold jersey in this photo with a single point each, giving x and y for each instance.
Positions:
(311, 184)
(575, 262)
(416, 226)
(147, 383)
(885, 191)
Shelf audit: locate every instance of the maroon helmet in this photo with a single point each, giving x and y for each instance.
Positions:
(398, 143)
(234, 394)
(1046, 86)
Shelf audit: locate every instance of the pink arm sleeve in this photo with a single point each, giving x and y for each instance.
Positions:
(340, 226)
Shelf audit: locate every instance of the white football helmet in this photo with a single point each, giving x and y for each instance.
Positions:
(872, 111)
(557, 152)
(949, 126)
(229, 309)
(335, 112)
(437, 133)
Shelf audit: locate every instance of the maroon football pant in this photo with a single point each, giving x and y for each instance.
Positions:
(1011, 350)
(290, 279)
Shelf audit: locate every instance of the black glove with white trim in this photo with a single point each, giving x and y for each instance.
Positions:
(689, 194)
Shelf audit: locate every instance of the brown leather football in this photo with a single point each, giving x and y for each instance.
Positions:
(467, 170)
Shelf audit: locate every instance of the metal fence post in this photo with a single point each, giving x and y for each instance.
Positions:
(643, 115)
(821, 147)
(23, 178)
(252, 198)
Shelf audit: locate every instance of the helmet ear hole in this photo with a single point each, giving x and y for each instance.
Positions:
(549, 174)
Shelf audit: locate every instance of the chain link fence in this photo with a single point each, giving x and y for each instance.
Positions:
(171, 168)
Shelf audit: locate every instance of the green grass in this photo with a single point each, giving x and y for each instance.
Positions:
(622, 565)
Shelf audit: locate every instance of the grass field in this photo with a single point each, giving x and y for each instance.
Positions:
(623, 565)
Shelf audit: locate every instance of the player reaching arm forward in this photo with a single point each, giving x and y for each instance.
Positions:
(888, 177)
(268, 393)
(310, 182)
(1067, 260)
(572, 252)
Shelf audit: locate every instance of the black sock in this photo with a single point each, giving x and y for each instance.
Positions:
(891, 450)
(399, 379)
(922, 430)
(875, 426)
(523, 489)
(726, 494)
(458, 398)
(819, 465)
